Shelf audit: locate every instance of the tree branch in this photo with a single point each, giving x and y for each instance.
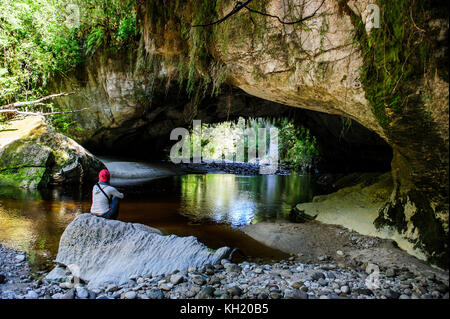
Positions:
(240, 5)
(39, 113)
(34, 102)
(279, 19)
(237, 8)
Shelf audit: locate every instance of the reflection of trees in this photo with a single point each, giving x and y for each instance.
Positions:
(208, 196)
(245, 140)
(240, 200)
(35, 225)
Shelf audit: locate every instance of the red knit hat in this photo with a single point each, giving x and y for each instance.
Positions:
(103, 176)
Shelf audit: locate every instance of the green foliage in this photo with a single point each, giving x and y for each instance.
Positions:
(95, 38)
(196, 69)
(63, 123)
(106, 22)
(33, 45)
(346, 124)
(220, 141)
(37, 41)
(127, 29)
(296, 145)
(199, 39)
(396, 54)
(66, 52)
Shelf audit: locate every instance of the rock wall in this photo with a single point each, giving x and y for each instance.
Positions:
(356, 207)
(111, 252)
(133, 108)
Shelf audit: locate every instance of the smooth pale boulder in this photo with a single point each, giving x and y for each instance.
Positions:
(33, 154)
(106, 252)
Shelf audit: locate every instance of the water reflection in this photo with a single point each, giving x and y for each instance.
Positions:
(33, 220)
(199, 205)
(241, 200)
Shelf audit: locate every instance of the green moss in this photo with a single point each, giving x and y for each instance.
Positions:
(24, 177)
(395, 55)
(13, 155)
(24, 162)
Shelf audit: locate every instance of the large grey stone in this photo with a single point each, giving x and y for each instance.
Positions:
(130, 295)
(110, 251)
(57, 274)
(33, 154)
(31, 295)
(82, 293)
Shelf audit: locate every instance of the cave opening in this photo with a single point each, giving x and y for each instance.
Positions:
(345, 146)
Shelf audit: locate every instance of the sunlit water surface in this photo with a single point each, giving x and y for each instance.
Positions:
(212, 207)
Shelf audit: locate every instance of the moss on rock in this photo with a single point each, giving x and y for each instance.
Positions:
(24, 177)
(400, 57)
(33, 155)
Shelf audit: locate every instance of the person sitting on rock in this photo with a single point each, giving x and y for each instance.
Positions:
(105, 198)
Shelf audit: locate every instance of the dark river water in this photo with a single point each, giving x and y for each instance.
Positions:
(212, 207)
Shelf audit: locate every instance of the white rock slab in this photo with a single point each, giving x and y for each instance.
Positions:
(111, 252)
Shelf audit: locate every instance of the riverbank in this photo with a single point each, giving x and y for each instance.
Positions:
(128, 173)
(325, 278)
(226, 167)
(15, 276)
